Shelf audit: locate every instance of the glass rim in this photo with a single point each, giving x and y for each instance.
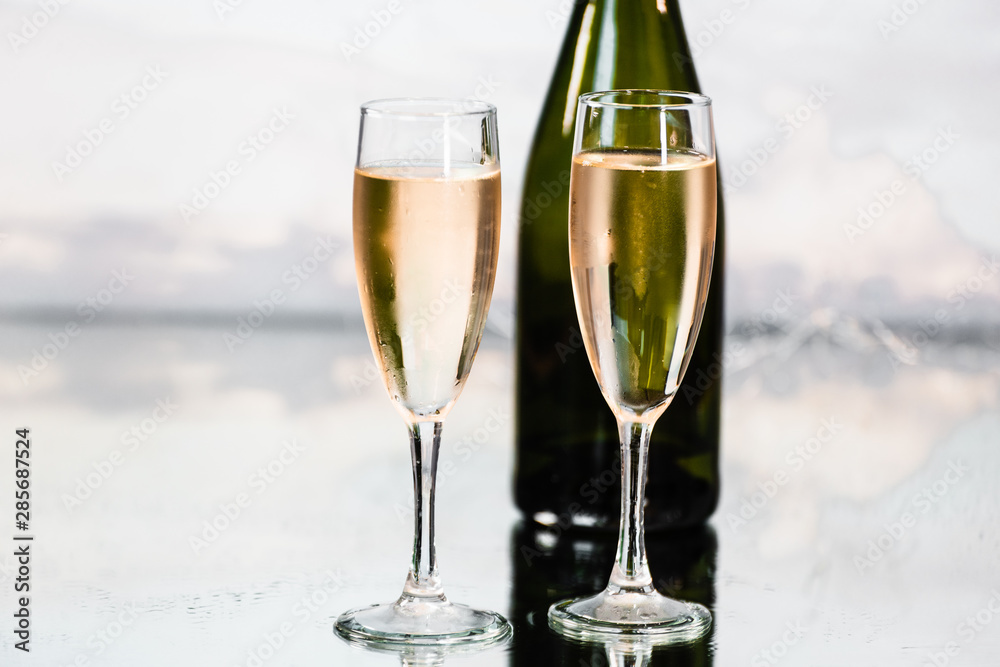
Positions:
(689, 99)
(427, 107)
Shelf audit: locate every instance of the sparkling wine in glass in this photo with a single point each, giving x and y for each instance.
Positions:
(642, 237)
(426, 237)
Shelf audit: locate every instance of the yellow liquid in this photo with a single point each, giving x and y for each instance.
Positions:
(425, 248)
(642, 236)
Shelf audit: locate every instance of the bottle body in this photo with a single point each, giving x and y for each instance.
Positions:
(567, 450)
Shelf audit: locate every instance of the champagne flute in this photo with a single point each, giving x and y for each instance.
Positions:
(426, 236)
(642, 237)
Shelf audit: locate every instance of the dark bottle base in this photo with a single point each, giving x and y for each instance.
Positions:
(566, 493)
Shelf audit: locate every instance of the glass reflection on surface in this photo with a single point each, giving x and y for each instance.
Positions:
(550, 564)
(416, 655)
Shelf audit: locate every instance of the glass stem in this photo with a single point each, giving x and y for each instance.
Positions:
(422, 581)
(630, 572)
(629, 656)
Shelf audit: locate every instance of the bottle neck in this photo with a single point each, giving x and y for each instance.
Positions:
(649, 7)
(617, 44)
(630, 44)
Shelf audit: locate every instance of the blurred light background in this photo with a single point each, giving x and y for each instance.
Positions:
(821, 107)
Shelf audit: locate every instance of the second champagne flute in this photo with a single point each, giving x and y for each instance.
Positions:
(642, 236)
(426, 237)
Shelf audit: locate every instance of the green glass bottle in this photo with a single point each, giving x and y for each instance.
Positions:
(567, 449)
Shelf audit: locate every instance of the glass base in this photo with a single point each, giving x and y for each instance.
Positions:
(422, 621)
(622, 613)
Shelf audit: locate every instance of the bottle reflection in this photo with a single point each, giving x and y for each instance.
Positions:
(550, 565)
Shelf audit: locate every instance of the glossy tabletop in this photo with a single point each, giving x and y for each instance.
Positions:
(197, 505)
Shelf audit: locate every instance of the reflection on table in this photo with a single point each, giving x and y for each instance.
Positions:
(550, 564)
